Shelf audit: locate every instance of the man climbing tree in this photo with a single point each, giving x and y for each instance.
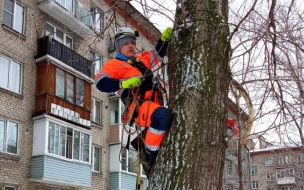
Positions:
(192, 153)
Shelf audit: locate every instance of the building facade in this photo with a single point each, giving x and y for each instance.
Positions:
(55, 125)
(277, 168)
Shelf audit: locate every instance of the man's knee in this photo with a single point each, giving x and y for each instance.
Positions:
(161, 118)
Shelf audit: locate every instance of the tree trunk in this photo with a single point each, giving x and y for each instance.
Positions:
(192, 155)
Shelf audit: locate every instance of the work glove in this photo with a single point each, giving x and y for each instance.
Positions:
(130, 83)
(166, 35)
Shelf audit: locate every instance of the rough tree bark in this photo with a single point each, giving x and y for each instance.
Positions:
(193, 152)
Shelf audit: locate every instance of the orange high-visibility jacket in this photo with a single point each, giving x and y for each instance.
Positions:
(121, 70)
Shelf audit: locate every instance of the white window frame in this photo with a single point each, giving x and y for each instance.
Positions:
(285, 173)
(93, 113)
(125, 166)
(65, 36)
(12, 77)
(64, 4)
(14, 15)
(268, 162)
(254, 169)
(269, 176)
(117, 110)
(10, 187)
(97, 16)
(5, 132)
(93, 161)
(287, 188)
(301, 174)
(81, 150)
(301, 158)
(98, 61)
(285, 159)
(255, 184)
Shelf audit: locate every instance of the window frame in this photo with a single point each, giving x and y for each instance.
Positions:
(301, 158)
(70, 145)
(65, 6)
(93, 159)
(301, 174)
(10, 186)
(93, 111)
(124, 165)
(284, 159)
(254, 169)
(118, 119)
(10, 78)
(5, 137)
(65, 87)
(269, 162)
(94, 19)
(255, 184)
(284, 173)
(269, 176)
(93, 53)
(65, 36)
(14, 16)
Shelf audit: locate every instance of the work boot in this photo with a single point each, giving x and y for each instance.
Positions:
(148, 158)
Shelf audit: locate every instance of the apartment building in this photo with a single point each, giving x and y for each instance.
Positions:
(55, 125)
(277, 168)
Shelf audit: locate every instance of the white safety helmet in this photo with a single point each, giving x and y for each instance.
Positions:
(124, 31)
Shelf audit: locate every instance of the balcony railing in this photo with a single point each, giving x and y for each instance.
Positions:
(49, 46)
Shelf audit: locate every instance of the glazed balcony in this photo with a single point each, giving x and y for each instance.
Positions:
(70, 13)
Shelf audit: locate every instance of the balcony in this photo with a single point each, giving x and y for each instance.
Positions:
(64, 110)
(115, 134)
(49, 46)
(71, 13)
(286, 181)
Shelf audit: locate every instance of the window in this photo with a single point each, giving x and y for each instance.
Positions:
(228, 168)
(255, 185)
(128, 160)
(65, 87)
(287, 188)
(7, 187)
(96, 158)
(270, 188)
(58, 35)
(13, 15)
(96, 115)
(284, 159)
(117, 108)
(268, 162)
(269, 176)
(285, 173)
(301, 175)
(301, 158)
(10, 75)
(97, 59)
(9, 134)
(68, 142)
(67, 4)
(301, 188)
(97, 19)
(254, 169)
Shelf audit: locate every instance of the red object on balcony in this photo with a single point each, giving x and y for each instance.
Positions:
(232, 125)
